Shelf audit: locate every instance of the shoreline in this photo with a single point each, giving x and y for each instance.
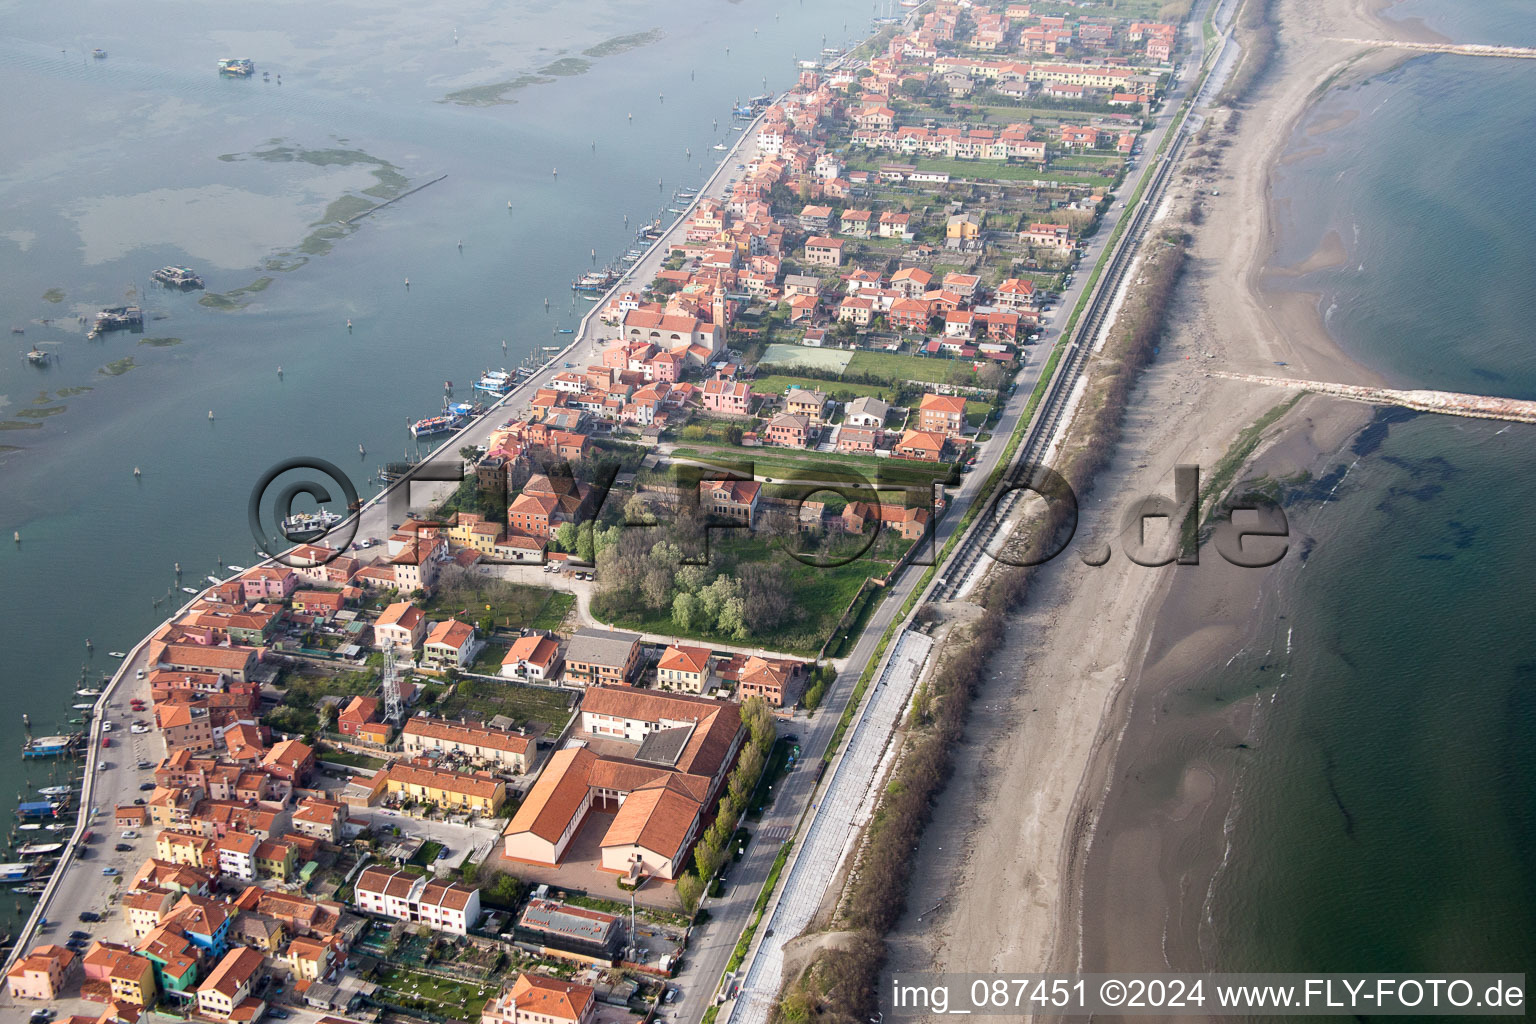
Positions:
(1042, 804)
(1174, 779)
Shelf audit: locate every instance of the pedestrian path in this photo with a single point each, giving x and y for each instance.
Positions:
(843, 808)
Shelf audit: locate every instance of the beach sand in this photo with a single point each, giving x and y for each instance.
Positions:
(1047, 801)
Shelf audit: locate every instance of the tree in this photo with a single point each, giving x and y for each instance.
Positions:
(688, 613)
(744, 778)
(565, 537)
(959, 372)
(758, 718)
(765, 596)
(656, 587)
(689, 889)
(992, 376)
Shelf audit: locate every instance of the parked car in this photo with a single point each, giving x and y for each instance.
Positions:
(78, 934)
(138, 801)
(146, 765)
(89, 916)
(109, 872)
(145, 787)
(123, 847)
(130, 834)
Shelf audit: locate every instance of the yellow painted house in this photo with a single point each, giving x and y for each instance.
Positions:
(478, 792)
(275, 859)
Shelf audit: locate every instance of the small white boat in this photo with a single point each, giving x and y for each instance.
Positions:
(55, 791)
(84, 707)
(87, 692)
(117, 654)
(30, 826)
(37, 849)
(237, 568)
(214, 580)
(719, 146)
(189, 590)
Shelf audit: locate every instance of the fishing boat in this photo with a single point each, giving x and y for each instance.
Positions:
(434, 425)
(496, 382)
(237, 67)
(189, 590)
(55, 791)
(15, 872)
(178, 277)
(306, 524)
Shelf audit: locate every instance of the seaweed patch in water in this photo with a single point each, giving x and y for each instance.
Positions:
(1374, 434)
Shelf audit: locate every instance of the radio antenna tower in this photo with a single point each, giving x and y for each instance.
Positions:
(392, 708)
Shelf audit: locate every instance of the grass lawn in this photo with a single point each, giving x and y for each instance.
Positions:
(472, 597)
(787, 463)
(895, 367)
(554, 611)
(776, 383)
(456, 1000)
(516, 701)
(789, 355)
(348, 757)
(427, 855)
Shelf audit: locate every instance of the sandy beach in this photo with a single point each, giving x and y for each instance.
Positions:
(1065, 787)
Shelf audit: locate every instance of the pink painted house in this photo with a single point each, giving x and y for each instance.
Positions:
(728, 397)
(269, 583)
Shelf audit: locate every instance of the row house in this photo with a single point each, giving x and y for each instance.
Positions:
(448, 907)
(424, 737)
